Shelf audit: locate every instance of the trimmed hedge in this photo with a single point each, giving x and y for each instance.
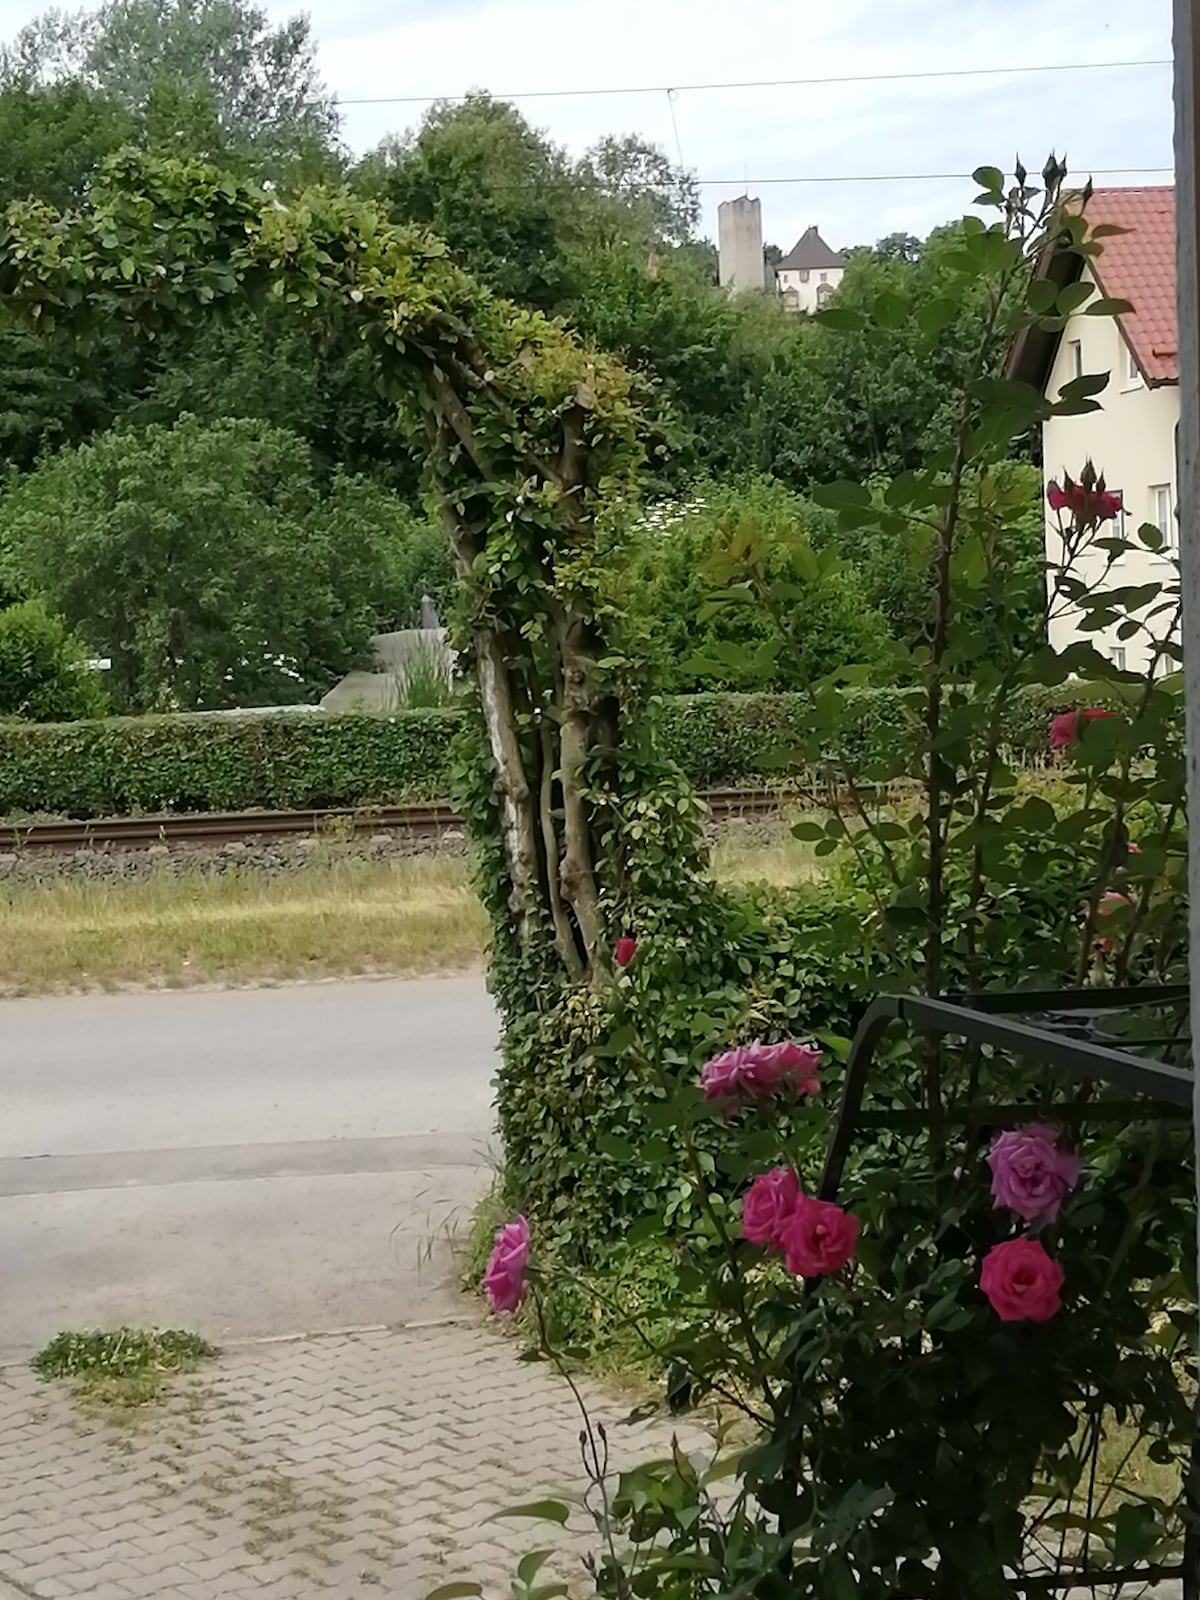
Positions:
(296, 761)
(130, 765)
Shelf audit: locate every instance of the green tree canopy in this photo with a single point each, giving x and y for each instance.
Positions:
(207, 561)
(210, 76)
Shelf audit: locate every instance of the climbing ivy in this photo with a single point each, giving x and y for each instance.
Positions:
(529, 438)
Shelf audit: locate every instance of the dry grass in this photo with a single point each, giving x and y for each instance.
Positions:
(333, 918)
(764, 855)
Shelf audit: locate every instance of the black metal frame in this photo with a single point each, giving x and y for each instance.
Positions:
(990, 1019)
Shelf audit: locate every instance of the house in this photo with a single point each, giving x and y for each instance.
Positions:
(1131, 440)
(809, 273)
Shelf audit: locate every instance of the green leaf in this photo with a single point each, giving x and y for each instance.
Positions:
(1109, 306)
(127, 266)
(842, 495)
(842, 319)
(610, 1144)
(889, 310)
(1041, 296)
(455, 1591)
(530, 1565)
(1135, 1534)
(934, 315)
(842, 1583)
(988, 178)
(539, 1510)
(1072, 297)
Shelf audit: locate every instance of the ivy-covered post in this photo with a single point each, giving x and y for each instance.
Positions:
(528, 436)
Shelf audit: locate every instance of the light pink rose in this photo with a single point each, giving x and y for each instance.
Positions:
(818, 1237)
(768, 1203)
(1021, 1281)
(504, 1280)
(1031, 1173)
(760, 1070)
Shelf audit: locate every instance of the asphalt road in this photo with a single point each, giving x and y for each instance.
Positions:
(241, 1162)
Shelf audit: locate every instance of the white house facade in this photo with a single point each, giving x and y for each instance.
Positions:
(809, 273)
(1131, 439)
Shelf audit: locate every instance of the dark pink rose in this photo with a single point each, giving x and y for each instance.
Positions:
(1086, 505)
(818, 1237)
(504, 1280)
(758, 1070)
(1031, 1173)
(625, 950)
(1021, 1281)
(1065, 728)
(768, 1203)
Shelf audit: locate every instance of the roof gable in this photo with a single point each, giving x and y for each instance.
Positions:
(1137, 265)
(809, 252)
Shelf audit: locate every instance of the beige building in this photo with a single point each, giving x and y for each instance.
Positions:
(809, 273)
(1131, 439)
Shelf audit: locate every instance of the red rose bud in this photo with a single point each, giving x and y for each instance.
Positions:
(625, 950)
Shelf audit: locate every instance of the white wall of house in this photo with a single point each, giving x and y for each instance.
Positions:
(808, 291)
(1132, 442)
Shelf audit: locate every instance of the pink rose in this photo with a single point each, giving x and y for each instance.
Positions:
(504, 1280)
(818, 1237)
(1059, 499)
(1031, 1173)
(769, 1202)
(1021, 1281)
(624, 951)
(760, 1070)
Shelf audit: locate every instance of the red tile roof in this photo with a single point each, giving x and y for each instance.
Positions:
(1139, 266)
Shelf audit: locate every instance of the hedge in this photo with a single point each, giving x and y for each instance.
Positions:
(296, 761)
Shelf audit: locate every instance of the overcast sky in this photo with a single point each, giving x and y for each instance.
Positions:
(1102, 119)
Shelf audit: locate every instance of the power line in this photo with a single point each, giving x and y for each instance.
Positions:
(913, 177)
(777, 83)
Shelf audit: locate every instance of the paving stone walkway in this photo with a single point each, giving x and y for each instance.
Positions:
(347, 1465)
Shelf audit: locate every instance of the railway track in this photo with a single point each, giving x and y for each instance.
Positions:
(216, 828)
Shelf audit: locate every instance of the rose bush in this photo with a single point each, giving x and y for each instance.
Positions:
(927, 1390)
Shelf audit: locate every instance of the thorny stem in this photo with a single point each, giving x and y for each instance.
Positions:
(597, 1468)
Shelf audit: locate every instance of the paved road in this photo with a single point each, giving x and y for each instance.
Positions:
(241, 1162)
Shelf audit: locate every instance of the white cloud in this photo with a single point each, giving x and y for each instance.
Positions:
(1101, 119)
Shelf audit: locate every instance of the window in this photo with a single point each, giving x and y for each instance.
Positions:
(824, 292)
(1162, 513)
(1118, 658)
(803, 275)
(1133, 373)
(824, 277)
(1119, 523)
(1075, 357)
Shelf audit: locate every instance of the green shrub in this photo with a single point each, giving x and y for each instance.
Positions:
(683, 553)
(44, 674)
(299, 760)
(207, 560)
